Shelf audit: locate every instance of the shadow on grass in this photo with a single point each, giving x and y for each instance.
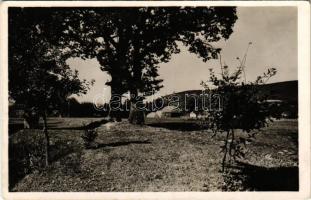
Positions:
(19, 125)
(13, 128)
(117, 144)
(59, 151)
(91, 125)
(67, 128)
(179, 126)
(294, 138)
(257, 178)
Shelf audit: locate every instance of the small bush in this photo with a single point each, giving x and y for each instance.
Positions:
(89, 137)
(242, 106)
(71, 164)
(26, 154)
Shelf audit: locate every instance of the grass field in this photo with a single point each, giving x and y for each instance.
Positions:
(160, 156)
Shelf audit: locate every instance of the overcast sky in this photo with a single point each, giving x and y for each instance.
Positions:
(272, 31)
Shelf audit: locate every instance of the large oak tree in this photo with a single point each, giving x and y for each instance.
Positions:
(130, 43)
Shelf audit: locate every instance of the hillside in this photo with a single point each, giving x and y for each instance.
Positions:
(286, 91)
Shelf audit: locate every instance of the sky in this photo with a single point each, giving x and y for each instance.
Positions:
(272, 31)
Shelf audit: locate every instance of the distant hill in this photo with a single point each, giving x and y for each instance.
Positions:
(286, 91)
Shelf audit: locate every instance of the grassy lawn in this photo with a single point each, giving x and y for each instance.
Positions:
(159, 156)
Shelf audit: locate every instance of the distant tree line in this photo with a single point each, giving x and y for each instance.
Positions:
(74, 108)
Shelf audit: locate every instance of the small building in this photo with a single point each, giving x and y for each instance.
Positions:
(166, 112)
(153, 115)
(192, 115)
(171, 111)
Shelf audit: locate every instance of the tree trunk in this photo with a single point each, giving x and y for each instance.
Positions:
(137, 115)
(47, 139)
(231, 147)
(225, 151)
(115, 106)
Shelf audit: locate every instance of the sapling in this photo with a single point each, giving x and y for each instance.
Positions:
(243, 107)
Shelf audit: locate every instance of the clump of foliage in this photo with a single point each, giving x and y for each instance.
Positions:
(243, 106)
(40, 78)
(89, 136)
(26, 153)
(71, 164)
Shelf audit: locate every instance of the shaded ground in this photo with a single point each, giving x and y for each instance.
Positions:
(26, 150)
(260, 178)
(153, 158)
(16, 124)
(176, 124)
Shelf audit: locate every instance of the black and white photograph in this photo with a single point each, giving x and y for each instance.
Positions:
(134, 98)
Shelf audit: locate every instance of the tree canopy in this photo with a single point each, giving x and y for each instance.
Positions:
(130, 43)
(38, 74)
